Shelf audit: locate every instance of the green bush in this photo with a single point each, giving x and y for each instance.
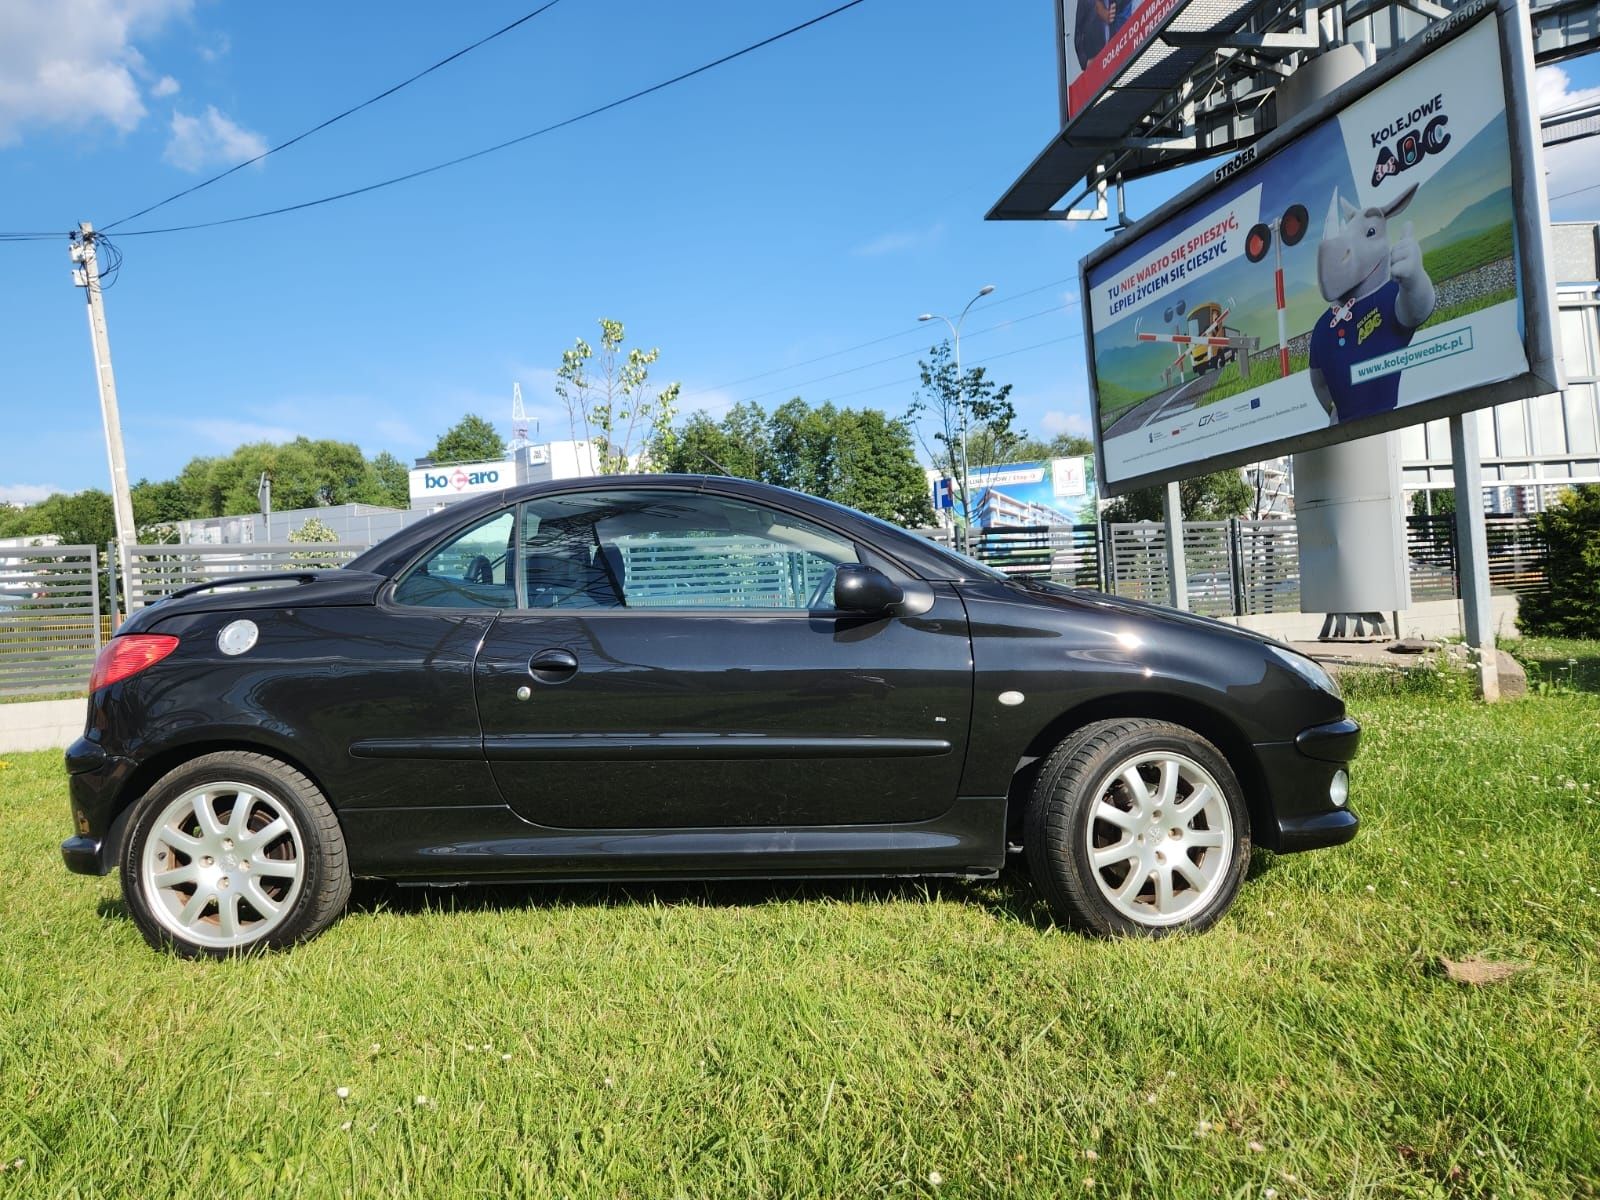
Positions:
(1570, 607)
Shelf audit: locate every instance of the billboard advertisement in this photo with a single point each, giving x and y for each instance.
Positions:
(1377, 264)
(1103, 36)
(1054, 491)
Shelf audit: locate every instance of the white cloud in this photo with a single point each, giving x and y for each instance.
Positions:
(214, 49)
(1056, 422)
(1555, 92)
(1574, 167)
(27, 493)
(72, 62)
(895, 243)
(212, 139)
(231, 434)
(166, 86)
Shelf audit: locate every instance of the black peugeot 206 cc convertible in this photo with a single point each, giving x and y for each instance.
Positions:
(670, 677)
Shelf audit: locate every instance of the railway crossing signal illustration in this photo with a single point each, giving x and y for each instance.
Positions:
(1286, 230)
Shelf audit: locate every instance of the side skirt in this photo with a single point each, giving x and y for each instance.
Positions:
(444, 845)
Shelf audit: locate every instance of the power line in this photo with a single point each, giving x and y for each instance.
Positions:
(299, 137)
(878, 387)
(593, 112)
(888, 337)
(1044, 312)
(1575, 192)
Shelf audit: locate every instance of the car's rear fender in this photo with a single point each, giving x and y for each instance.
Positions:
(104, 788)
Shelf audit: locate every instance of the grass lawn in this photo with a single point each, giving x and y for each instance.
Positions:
(747, 1040)
(1558, 664)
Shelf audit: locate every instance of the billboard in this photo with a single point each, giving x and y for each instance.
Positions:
(1102, 37)
(432, 485)
(1376, 263)
(1055, 491)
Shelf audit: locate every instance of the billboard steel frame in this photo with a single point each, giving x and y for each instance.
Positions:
(1544, 373)
(1205, 85)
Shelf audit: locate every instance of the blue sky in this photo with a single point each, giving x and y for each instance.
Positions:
(796, 203)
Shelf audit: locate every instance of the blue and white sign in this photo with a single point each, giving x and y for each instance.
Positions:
(1056, 491)
(943, 494)
(432, 485)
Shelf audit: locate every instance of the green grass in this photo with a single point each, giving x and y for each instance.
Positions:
(848, 1041)
(1263, 370)
(1469, 253)
(1557, 664)
(1462, 308)
(1114, 400)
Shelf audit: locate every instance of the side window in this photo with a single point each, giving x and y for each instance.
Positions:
(664, 550)
(562, 563)
(473, 570)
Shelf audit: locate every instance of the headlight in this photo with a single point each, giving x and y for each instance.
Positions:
(1308, 669)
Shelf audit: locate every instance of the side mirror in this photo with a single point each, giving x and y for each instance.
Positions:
(859, 588)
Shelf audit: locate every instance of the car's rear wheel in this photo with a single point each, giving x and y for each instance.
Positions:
(233, 852)
(1137, 826)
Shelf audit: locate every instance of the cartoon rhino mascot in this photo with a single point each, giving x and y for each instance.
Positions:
(1378, 295)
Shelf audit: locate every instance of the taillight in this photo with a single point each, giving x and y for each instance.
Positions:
(128, 655)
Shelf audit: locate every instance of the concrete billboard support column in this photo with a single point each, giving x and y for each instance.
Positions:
(1472, 554)
(1352, 535)
(1177, 565)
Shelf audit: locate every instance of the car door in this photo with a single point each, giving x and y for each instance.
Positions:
(675, 662)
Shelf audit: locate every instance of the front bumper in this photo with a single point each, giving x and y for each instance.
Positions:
(97, 783)
(1298, 778)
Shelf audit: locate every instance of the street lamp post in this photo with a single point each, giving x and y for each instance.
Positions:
(961, 403)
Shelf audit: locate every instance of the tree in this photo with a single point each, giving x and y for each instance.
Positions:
(740, 445)
(304, 473)
(989, 413)
(608, 401)
(1441, 503)
(856, 457)
(471, 439)
(1063, 445)
(313, 529)
(861, 458)
(1570, 604)
(391, 482)
(157, 509)
(1214, 497)
(78, 519)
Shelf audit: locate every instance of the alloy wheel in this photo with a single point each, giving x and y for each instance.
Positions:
(1160, 838)
(223, 865)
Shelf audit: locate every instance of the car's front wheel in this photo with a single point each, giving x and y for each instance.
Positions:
(1137, 826)
(233, 852)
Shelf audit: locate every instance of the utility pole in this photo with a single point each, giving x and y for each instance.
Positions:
(87, 276)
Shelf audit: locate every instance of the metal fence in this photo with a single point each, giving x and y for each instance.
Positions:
(1242, 567)
(161, 570)
(718, 572)
(1069, 554)
(49, 619)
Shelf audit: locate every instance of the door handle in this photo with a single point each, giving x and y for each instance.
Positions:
(553, 666)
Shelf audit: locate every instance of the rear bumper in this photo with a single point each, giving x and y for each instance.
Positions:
(1298, 778)
(96, 782)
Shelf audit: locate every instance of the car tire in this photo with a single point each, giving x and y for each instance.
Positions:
(231, 853)
(1114, 859)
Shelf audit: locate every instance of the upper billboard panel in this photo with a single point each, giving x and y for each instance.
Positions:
(1103, 36)
(1369, 269)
